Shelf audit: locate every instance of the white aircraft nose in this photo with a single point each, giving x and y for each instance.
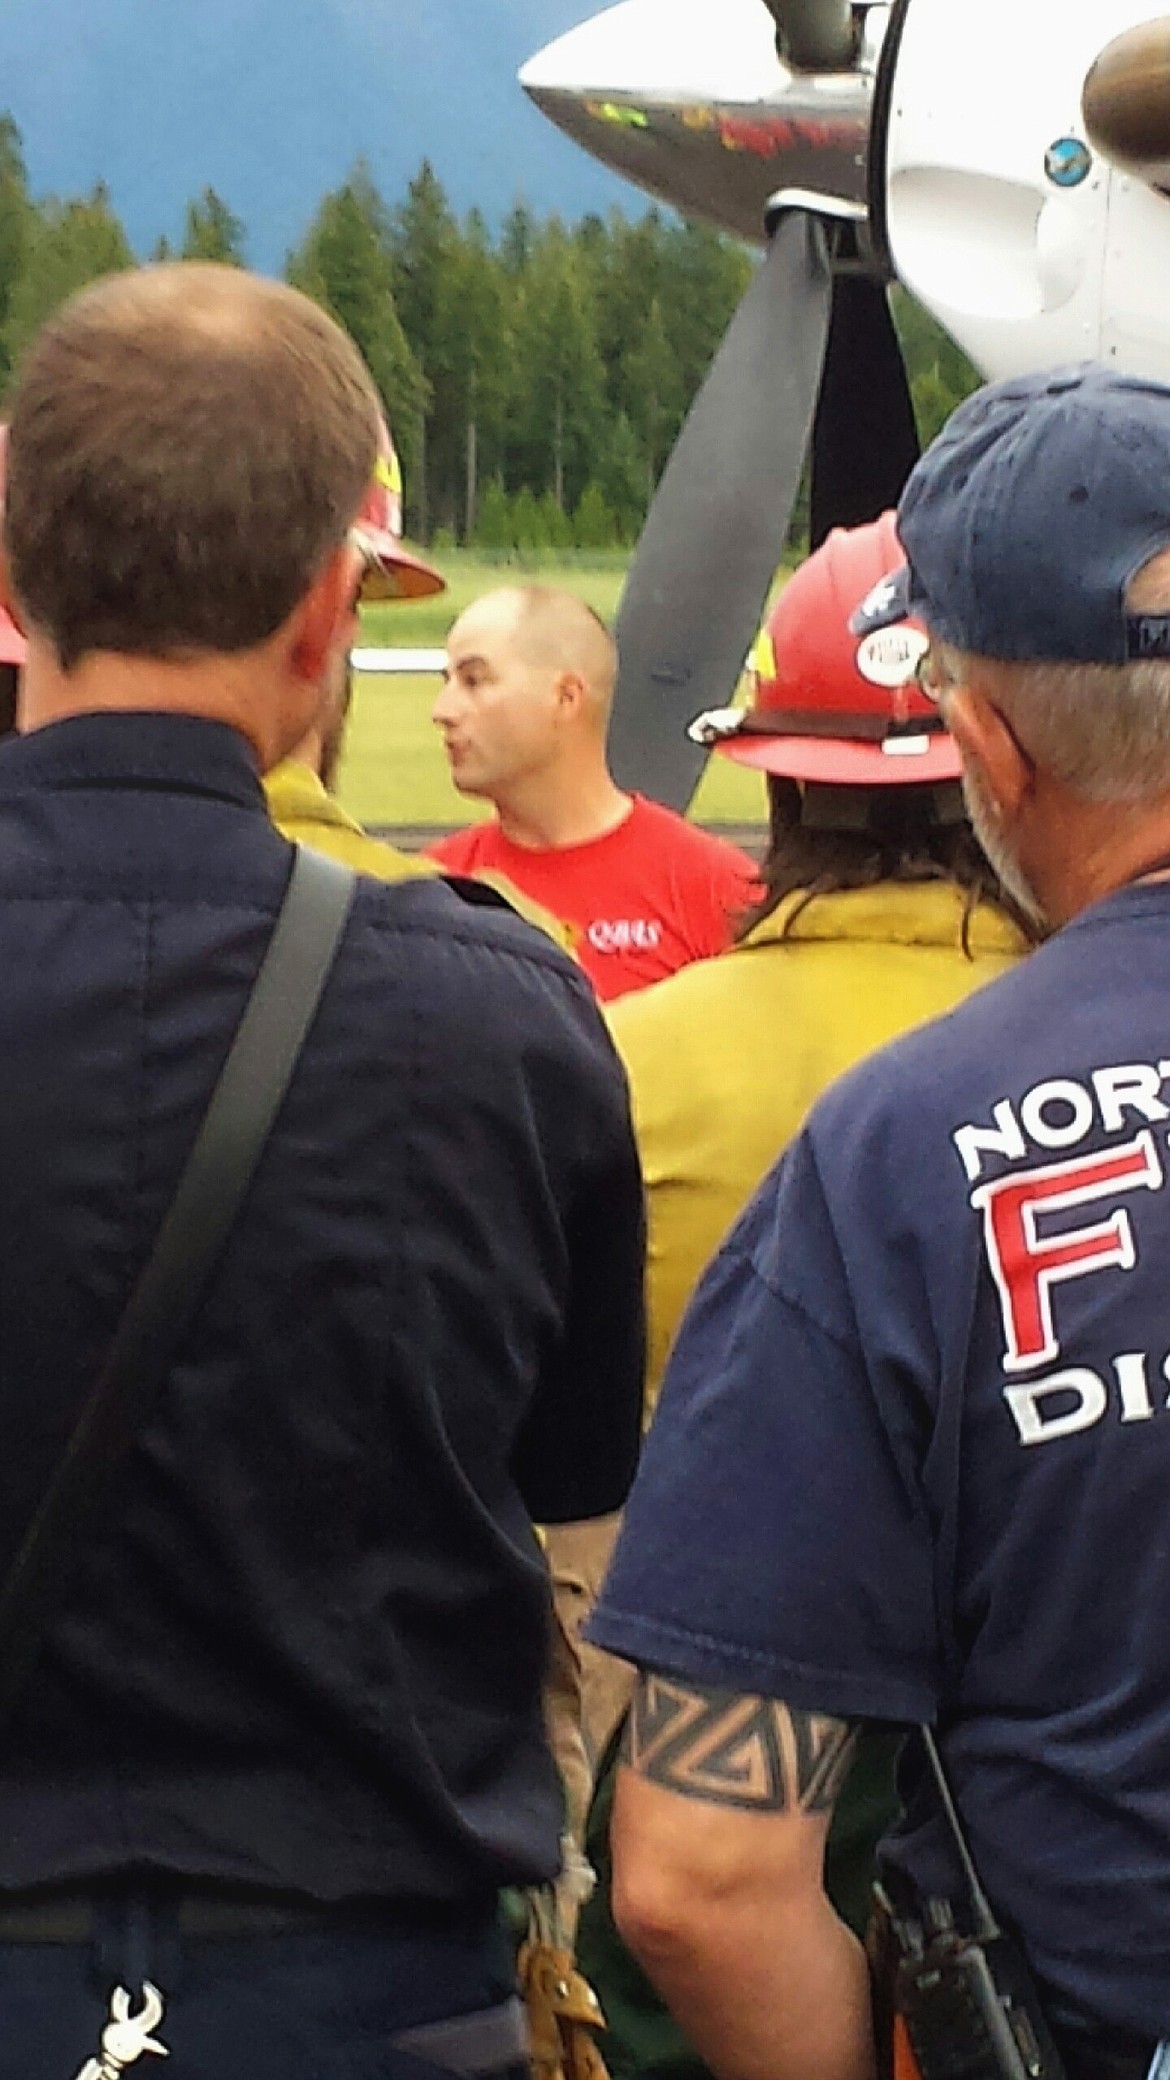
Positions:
(673, 51)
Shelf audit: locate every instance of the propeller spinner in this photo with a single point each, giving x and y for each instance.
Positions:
(693, 104)
(1126, 102)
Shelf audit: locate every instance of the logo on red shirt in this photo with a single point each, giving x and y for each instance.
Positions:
(619, 934)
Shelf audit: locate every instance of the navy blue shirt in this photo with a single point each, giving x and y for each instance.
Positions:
(306, 1652)
(912, 1460)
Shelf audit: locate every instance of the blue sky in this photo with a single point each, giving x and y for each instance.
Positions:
(271, 101)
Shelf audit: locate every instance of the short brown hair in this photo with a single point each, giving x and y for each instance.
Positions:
(187, 445)
(556, 628)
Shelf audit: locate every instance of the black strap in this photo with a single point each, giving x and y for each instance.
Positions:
(986, 1927)
(837, 723)
(169, 1289)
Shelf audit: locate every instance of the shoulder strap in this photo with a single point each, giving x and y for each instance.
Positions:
(169, 1289)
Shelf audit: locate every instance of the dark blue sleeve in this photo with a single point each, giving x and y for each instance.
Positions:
(578, 1445)
(776, 1540)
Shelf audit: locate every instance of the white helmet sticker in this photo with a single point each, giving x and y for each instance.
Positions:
(890, 656)
(907, 747)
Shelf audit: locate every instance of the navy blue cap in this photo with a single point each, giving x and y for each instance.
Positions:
(1026, 519)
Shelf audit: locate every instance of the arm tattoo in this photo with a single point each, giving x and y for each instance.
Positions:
(750, 1752)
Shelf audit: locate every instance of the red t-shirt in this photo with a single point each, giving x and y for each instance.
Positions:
(643, 900)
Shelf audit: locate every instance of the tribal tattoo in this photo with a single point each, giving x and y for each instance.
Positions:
(749, 1752)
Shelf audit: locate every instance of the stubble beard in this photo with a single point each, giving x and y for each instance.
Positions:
(1005, 866)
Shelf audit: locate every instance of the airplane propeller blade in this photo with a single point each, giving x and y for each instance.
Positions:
(865, 442)
(716, 530)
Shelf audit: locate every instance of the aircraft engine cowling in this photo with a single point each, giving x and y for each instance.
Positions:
(1032, 247)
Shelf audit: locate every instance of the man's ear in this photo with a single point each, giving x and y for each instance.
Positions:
(572, 693)
(987, 742)
(324, 621)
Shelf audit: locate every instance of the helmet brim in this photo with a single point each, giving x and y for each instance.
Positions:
(397, 573)
(920, 760)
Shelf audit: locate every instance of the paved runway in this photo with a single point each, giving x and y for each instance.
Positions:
(411, 837)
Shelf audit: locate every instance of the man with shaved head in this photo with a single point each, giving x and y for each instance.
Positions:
(283, 1743)
(524, 712)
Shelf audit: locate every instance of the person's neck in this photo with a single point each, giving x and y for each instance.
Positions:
(548, 817)
(109, 684)
(310, 753)
(1106, 847)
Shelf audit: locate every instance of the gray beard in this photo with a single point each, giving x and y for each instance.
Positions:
(1004, 865)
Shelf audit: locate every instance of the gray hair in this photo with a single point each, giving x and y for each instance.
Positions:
(1101, 729)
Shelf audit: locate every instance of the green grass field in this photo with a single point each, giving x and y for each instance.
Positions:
(394, 770)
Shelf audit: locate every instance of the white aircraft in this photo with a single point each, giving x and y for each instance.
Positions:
(365, 659)
(1007, 160)
(952, 132)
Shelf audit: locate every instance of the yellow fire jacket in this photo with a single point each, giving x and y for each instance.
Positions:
(726, 1057)
(306, 812)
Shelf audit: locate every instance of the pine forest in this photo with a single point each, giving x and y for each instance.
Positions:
(535, 373)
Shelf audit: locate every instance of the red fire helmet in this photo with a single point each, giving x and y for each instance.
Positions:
(391, 572)
(828, 706)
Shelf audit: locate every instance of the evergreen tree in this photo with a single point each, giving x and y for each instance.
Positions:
(621, 475)
(556, 525)
(474, 375)
(540, 374)
(345, 264)
(528, 526)
(653, 399)
(560, 407)
(423, 240)
(706, 275)
(633, 278)
(212, 232)
(592, 239)
(70, 243)
(594, 526)
(17, 223)
(493, 527)
(519, 239)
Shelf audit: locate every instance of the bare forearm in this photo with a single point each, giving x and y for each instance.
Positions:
(768, 1999)
(719, 1829)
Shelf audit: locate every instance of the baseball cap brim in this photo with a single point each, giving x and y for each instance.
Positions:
(906, 760)
(395, 572)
